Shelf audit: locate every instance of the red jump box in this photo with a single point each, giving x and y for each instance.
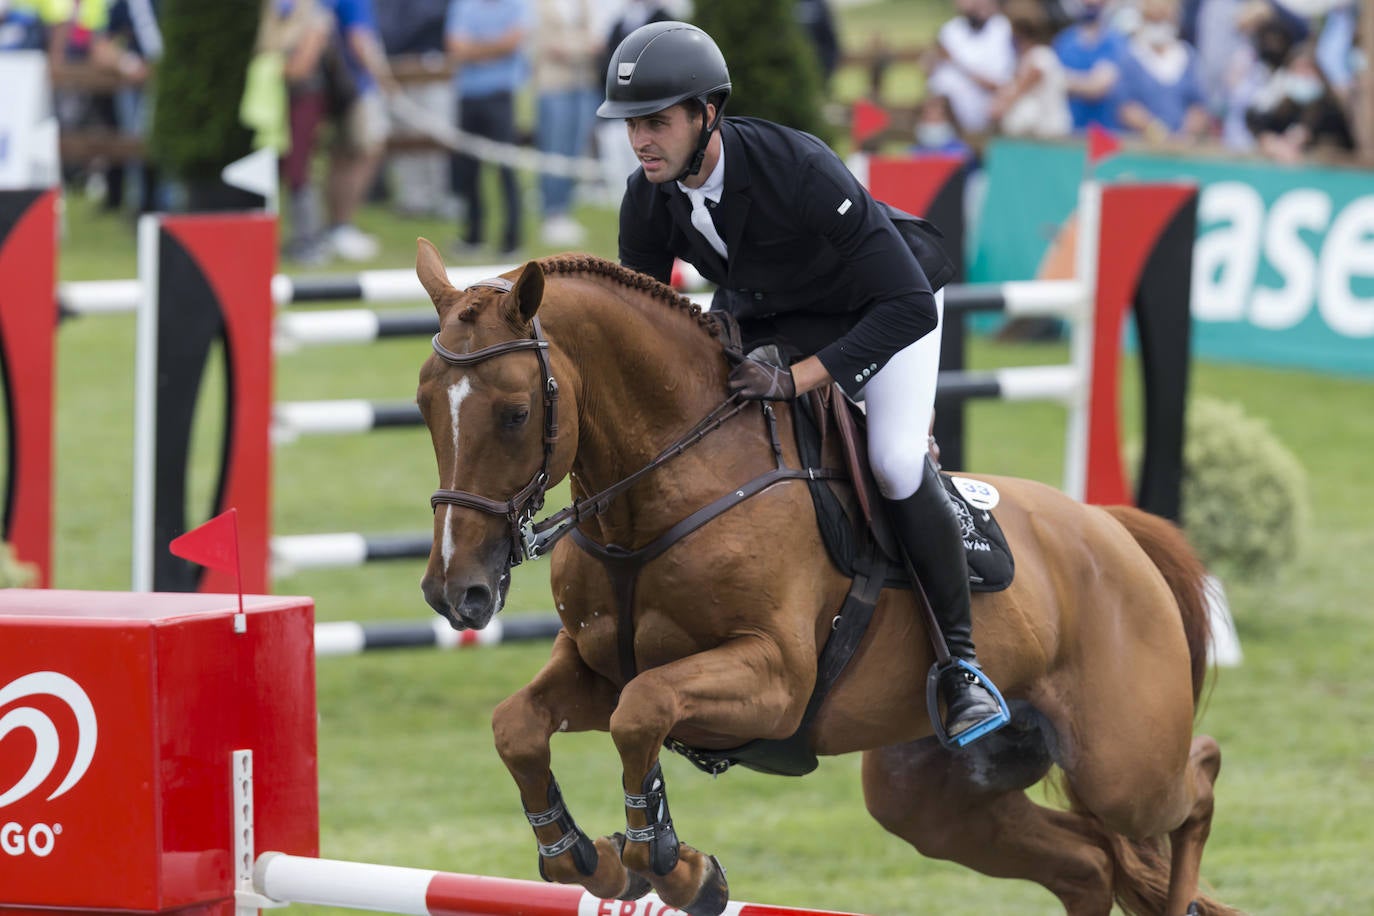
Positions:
(119, 713)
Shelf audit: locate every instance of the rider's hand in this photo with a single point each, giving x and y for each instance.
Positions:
(756, 381)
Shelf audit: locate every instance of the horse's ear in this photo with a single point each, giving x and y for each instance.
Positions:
(429, 267)
(528, 290)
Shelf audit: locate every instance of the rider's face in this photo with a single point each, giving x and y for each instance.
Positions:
(665, 141)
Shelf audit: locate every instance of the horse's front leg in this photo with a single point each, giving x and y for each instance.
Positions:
(743, 688)
(565, 695)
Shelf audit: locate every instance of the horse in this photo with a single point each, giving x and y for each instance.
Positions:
(575, 367)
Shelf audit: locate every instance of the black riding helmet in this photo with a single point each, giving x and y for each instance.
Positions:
(661, 64)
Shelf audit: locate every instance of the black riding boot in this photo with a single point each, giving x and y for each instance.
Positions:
(928, 526)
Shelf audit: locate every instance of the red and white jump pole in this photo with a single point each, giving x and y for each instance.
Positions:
(417, 892)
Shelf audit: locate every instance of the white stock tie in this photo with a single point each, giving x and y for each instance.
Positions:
(701, 219)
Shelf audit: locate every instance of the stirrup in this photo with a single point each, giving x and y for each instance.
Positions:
(970, 735)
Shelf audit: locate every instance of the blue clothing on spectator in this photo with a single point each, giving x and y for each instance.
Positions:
(353, 15)
(22, 30)
(1335, 43)
(1169, 102)
(412, 26)
(1296, 23)
(24, 24)
(952, 147)
(488, 20)
(136, 20)
(1078, 54)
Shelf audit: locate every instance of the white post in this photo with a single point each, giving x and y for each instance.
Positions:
(1081, 338)
(145, 404)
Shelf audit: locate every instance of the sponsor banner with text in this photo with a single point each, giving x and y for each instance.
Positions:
(1283, 270)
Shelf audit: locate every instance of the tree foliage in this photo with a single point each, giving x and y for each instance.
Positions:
(773, 67)
(196, 129)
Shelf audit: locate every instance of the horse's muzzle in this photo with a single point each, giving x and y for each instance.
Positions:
(465, 605)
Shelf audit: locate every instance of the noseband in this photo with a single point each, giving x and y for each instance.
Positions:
(520, 509)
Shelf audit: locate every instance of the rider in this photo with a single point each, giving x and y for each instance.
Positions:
(802, 256)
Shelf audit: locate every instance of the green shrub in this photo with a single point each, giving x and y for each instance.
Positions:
(774, 71)
(1245, 497)
(13, 573)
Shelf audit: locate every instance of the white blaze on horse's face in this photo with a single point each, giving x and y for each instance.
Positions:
(457, 394)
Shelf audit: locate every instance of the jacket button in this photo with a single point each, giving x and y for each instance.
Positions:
(858, 378)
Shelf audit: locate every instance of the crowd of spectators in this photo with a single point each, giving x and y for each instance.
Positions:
(1278, 78)
(352, 130)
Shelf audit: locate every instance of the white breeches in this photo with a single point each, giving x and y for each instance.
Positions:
(900, 403)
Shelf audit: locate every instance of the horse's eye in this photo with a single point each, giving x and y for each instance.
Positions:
(514, 417)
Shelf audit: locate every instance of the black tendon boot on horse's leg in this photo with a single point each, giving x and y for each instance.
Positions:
(932, 538)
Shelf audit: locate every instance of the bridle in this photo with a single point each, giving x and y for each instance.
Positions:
(530, 539)
(520, 509)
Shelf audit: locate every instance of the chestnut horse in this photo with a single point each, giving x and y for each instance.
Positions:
(572, 366)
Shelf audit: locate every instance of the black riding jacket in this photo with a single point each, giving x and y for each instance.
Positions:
(815, 263)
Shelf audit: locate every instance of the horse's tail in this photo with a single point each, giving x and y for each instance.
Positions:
(1170, 551)
(1142, 866)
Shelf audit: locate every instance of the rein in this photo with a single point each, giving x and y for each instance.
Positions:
(547, 532)
(530, 539)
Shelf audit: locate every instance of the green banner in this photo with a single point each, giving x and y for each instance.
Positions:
(1283, 271)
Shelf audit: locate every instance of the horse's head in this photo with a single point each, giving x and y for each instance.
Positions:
(488, 397)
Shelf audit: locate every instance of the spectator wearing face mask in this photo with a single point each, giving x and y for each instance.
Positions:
(1247, 81)
(972, 59)
(1306, 118)
(1161, 92)
(1091, 51)
(937, 130)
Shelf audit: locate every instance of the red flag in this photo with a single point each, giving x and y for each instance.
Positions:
(214, 544)
(868, 120)
(1101, 143)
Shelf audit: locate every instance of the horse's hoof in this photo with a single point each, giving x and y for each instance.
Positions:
(636, 885)
(714, 894)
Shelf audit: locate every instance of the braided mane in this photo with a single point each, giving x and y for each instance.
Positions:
(631, 279)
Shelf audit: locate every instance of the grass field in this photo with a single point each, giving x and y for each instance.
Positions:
(407, 771)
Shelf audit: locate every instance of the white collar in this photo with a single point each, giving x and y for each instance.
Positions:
(714, 185)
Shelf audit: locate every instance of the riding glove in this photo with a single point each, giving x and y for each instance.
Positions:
(756, 381)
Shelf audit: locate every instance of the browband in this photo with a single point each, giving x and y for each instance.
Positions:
(477, 356)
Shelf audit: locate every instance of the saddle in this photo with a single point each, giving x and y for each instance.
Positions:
(850, 511)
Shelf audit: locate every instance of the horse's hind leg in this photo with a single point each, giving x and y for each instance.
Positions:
(937, 802)
(1187, 840)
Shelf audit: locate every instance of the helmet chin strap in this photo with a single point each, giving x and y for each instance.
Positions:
(694, 165)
